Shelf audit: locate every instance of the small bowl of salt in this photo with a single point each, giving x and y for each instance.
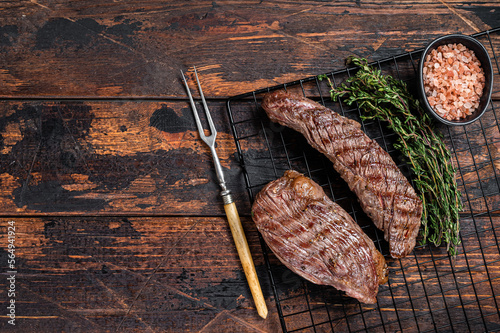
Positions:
(455, 79)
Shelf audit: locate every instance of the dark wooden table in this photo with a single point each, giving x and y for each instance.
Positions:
(118, 221)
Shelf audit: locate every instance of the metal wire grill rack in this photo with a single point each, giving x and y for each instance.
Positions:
(428, 290)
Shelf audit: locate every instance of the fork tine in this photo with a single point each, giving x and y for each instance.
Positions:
(207, 112)
(195, 111)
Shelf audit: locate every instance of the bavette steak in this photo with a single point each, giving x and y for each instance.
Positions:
(315, 238)
(384, 193)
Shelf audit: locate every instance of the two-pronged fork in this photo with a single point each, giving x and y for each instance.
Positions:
(229, 205)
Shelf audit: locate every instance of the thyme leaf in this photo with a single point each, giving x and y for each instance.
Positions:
(383, 97)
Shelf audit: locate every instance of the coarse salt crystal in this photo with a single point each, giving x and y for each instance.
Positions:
(453, 77)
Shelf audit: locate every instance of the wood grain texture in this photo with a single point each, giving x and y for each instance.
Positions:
(116, 274)
(169, 274)
(133, 157)
(119, 223)
(80, 48)
(112, 157)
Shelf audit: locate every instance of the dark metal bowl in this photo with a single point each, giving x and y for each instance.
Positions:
(483, 57)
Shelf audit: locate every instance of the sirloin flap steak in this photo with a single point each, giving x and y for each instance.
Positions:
(384, 193)
(315, 238)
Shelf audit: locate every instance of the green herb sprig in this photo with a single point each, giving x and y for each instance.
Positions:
(388, 99)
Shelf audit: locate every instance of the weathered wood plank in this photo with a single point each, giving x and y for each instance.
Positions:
(161, 274)
(112, 157)
(80, 48)
(169, 274)
(133, 157)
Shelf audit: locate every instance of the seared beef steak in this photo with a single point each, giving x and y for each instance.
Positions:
(315, 238)
(384, 193)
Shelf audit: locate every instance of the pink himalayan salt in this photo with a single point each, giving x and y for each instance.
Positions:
(453, 81)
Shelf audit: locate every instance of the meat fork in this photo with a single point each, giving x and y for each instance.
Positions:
(229, 205)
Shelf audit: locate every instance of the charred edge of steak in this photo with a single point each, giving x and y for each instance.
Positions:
(384, 193)
(315, 238)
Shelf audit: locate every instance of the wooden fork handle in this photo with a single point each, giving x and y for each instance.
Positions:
(245, 258)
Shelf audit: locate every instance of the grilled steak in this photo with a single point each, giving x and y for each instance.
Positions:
(384, 193)
(315, 238)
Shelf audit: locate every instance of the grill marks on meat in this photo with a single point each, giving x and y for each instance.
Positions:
(315, 238)
(384, 193)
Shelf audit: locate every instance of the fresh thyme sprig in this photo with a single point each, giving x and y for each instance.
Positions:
(383, 97)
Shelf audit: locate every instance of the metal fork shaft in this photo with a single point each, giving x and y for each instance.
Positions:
(219, 172)
(209, 140)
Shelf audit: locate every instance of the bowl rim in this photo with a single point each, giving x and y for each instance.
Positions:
(423, 95)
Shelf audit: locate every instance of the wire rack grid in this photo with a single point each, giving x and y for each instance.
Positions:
(428, 291)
